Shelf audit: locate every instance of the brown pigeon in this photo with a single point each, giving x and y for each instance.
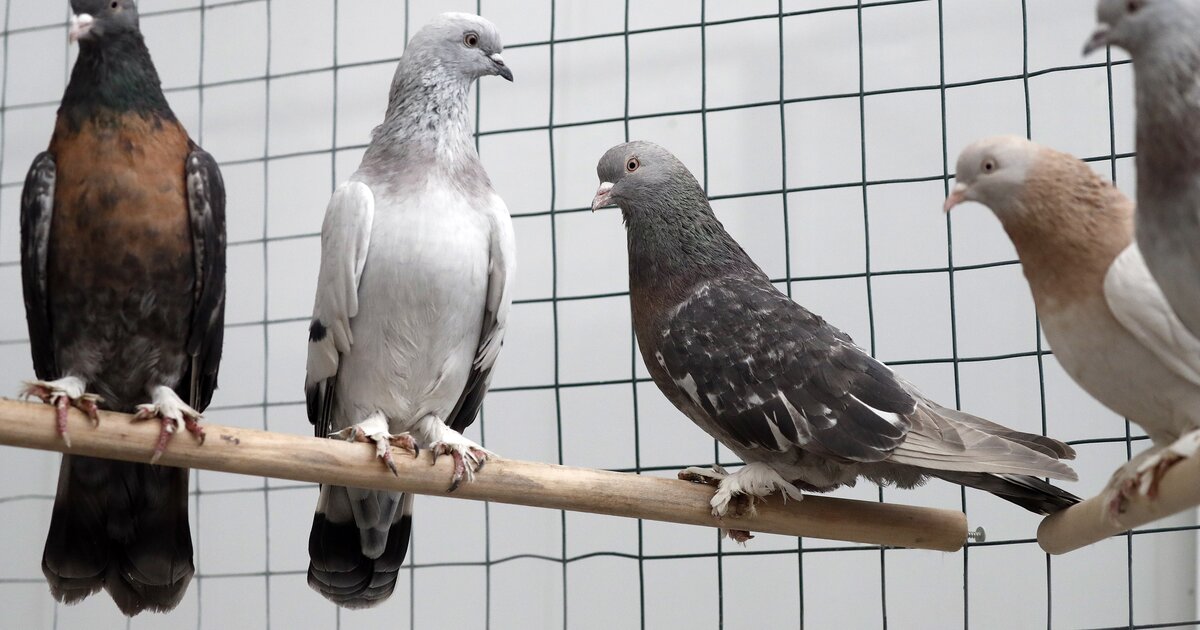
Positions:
(1110, 325)
(123, 267)
(794, 397)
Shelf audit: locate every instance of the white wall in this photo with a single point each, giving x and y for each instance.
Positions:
(285, 142)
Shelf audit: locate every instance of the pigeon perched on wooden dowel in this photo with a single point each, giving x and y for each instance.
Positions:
(1163, 38)
(791, 395)
(1106, 319)
(123, 267)
(417, 260)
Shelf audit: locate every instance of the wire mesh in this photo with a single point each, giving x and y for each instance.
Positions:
(283, 92)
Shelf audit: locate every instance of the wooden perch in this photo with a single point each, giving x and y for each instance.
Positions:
(1088, 522)
(284, 456)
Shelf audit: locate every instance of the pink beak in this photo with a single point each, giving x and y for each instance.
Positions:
(958, 194)
(81, 24)
(603, 196)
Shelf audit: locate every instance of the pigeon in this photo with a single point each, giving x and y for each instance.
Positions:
(801, 404)
(1163, 38)
(1108, 322)
(413, 294)
(123, 271)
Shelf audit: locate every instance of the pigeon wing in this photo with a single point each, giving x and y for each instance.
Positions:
(206, 211)
(345, 239)
(501, 271)
(37, 211)
(770, 374)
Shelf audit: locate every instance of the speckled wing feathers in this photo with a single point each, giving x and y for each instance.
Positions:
(773, 375)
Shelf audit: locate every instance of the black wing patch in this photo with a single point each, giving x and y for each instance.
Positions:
(206, 209)
(37, 212)
(318, 399)
(772, 375)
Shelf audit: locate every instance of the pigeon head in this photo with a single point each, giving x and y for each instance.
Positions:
(992, 172)
(673, 236)
(97, 21)
(1036, 190)
(638, 176)
(464, 44)
(1136, 24)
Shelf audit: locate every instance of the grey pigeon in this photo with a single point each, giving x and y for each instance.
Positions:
(1106, 319)
(1163, 38)
(123, 267)
(417, 259)
(791, 395)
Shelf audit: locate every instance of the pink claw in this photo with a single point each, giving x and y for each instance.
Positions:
(88, 406)
(60, 416)
(194, 428)
(160, 446)
(460, 469)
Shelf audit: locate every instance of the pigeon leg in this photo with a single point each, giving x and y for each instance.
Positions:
(375, 430)
(62, 394)
(751, 481)
(173, 413)
(469, 457)
(740, 503)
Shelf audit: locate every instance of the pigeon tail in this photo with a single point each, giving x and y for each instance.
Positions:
(1031, 493)
(122, 527)
(351, 565)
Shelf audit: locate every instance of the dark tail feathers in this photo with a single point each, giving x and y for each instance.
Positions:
(340, 572)
(122, 527)
(1031, 493)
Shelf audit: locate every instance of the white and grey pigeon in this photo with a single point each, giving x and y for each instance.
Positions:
(1106, 319)
(417, 258)
(1163, 38)
(791, 395)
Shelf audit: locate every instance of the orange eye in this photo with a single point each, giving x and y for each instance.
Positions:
(632, 165)
(989, 165)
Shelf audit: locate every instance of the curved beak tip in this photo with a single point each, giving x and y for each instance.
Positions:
(502, 68)
(603, 196)
(957, 195)
(1098, 40)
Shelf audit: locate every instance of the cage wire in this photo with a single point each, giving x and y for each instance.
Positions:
(824, 130)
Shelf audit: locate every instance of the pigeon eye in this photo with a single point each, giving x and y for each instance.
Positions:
(989, 165)
(115, 4)
(632, 165)
(471, 40)
(1133, 5)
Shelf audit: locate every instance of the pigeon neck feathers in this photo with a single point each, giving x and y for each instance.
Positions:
(1068, 229)
(427, 123)
(116, 76)
(1167, 88)
(676, 242)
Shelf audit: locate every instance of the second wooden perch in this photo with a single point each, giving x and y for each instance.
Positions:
(284, 456)
(1089, 522)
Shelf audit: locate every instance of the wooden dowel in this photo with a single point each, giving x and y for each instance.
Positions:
(1088, 522)
(284, 456)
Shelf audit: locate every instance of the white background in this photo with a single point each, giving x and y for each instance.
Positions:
(287, 126)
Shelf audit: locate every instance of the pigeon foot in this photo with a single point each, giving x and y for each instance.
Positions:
(173, 413)
(63, 394)
(1143, 474)
(469, 457)
(375, 430)
(738, 492)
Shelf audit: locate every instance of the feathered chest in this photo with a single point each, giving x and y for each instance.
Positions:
(121, 181)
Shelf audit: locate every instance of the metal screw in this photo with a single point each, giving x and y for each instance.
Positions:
(977, 536)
